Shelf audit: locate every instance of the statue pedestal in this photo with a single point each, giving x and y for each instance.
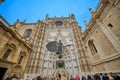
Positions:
(63, 72)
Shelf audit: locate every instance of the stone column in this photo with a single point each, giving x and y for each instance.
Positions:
(112, 38)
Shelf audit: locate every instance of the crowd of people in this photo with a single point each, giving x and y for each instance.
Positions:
(57, 77)
(98, 76)
(101, 76)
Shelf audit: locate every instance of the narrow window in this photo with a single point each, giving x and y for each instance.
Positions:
(92, 47)
(28, 32)
(7, 53)
(20, 60)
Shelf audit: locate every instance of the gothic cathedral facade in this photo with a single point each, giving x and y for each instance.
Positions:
(96, 50)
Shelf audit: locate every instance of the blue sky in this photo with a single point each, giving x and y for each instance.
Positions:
(32, 10)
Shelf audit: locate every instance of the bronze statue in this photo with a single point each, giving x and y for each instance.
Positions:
(59, 50)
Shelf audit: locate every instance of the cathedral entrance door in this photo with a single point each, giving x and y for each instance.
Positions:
(2, 72)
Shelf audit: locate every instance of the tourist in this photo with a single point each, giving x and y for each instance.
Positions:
(96, 77)
(101, 76)
(105, 77)
(89, 77)
(71, 77)
(77, 78)
(92, 76)
(39, 78)
(84, 78)
(116, 77)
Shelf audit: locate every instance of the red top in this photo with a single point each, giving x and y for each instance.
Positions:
(77, 78)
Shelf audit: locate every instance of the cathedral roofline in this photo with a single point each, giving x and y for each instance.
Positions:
(71, 16)
(4, 21)
(95, 15)
(28, 23)
(59, 18)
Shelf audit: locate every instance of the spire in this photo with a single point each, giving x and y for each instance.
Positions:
(86, 24)
(92, 12)
(38, 21)
(17, 21)
(47, 16)
(24, 21)
(72, 16)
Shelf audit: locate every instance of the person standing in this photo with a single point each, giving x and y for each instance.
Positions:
(39, 78)
(77, 78)
(89, 77)
(71, 77)
(84, 78)
(105, 77)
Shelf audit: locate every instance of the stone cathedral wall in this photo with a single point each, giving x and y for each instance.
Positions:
(95, 50)
(103, 31)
